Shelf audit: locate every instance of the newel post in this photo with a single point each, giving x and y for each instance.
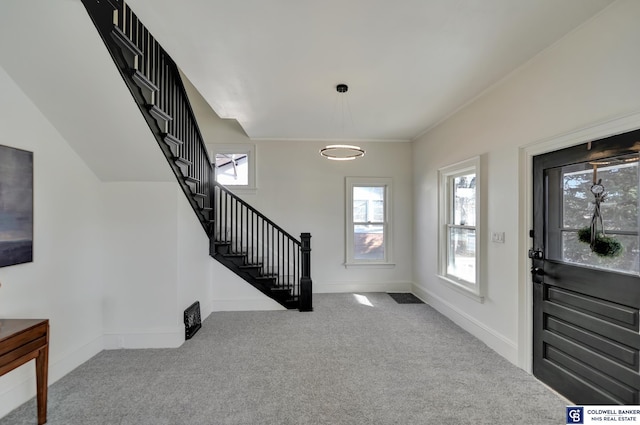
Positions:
(305, 302)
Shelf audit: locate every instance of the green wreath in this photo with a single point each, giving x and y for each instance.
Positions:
(603, 246)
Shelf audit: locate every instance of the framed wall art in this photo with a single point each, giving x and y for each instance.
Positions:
(16, 206)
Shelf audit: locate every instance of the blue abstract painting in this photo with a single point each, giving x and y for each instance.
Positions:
(16, 206)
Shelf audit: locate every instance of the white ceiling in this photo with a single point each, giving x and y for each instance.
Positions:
(273, 64)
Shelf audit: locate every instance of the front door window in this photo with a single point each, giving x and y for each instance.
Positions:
(619, 212)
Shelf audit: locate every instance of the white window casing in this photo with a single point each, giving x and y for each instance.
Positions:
(459, 229)
(240, 174)
(368, 231)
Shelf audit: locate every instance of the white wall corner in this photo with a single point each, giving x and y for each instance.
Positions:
(206, 308)
(494, 340)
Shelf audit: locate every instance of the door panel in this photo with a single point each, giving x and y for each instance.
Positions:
(586, 307)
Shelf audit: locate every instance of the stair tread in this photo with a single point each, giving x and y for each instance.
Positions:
(234, 254)
(250, 266)
(159, 113)
(170, 138)
(181, 159)
(276, 289)
(141, 79)
(126, 46)
(283, 294)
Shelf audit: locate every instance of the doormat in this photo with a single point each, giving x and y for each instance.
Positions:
(405, 298)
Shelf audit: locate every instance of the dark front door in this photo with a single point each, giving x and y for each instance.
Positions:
(587, 292)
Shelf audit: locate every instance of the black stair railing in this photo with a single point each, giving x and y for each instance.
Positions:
(280, 265)
(280, 259)
(158, 78)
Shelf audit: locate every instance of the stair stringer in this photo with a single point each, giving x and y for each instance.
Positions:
(237, 263)
(126, 57)
(233, 293)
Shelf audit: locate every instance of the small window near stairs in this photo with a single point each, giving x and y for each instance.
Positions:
(235, 165)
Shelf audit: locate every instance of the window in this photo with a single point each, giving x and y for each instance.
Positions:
(570, 194)
(368, 221)
(459, 228)
(235, 165)
(232, 169)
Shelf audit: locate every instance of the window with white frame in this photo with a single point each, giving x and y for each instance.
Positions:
(234, 165)
(368, 219)
(459, 229)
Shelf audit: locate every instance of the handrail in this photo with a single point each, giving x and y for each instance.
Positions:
(184, 94)
(261, 245)
(244, 203)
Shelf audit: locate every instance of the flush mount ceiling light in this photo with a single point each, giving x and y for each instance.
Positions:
(342, 152)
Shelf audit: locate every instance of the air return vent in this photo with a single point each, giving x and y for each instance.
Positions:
(192, 321)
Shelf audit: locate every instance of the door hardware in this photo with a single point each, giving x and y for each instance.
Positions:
(536, 254)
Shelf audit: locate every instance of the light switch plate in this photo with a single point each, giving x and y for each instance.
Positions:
(497, 237)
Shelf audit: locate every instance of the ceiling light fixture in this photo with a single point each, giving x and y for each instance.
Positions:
(342, 152)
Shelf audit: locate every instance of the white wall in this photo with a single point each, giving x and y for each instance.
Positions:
(64, 282)
(586, 78)
(303, 192)
(141, 269)
(115, 264)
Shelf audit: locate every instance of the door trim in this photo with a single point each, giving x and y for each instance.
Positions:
(602, 129)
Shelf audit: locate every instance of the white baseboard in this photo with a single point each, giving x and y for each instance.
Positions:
(328, 288)
(21, 383)
(495, 340)
(246, 304)
(172, 337)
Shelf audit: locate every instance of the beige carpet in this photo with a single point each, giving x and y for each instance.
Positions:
(344, 363)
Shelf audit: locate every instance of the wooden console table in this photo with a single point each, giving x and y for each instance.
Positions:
(22, 340)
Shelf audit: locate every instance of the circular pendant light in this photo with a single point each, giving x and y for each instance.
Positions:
(342, 152)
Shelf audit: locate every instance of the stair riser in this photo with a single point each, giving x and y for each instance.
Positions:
(238, 261)
(283, 298)
(183, 166)
(253, 271)
(192, 186)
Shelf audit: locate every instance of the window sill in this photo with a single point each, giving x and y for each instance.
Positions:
(369, 265)
(464, 290)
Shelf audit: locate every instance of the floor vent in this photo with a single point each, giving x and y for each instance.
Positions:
(405, 298)
(192, 321)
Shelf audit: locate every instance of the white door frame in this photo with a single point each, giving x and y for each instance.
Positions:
(610, 127)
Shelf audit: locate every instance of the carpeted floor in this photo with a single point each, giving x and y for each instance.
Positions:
(344, 363)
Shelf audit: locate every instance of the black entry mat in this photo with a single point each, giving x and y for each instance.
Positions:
(405, 298)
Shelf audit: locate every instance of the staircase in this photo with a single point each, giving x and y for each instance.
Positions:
(241, 238)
